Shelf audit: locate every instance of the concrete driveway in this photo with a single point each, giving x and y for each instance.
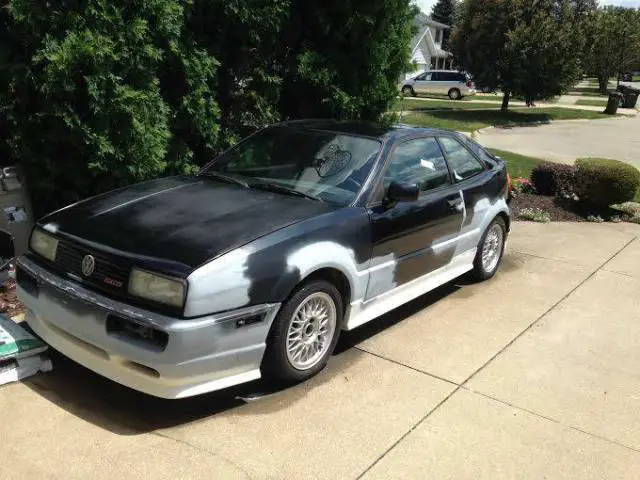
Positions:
(534, 374)
(617, 138)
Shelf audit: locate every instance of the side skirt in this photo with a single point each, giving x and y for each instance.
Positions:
(362, 312)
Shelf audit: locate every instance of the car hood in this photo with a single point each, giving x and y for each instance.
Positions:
(182, 220)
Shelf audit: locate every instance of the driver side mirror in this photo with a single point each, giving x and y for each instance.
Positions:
(398, 192)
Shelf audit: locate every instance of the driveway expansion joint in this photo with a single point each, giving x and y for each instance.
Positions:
(423, 372)
(550, 419)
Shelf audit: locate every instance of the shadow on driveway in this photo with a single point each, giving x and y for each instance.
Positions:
(124, 411)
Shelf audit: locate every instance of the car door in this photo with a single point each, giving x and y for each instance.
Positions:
(421, 85)
(439, 83)
(412, 239)
(478, 186)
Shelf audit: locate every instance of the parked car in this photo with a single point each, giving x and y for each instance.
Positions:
(189, 284)
(440, 82)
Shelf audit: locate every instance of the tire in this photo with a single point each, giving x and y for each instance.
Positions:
(280, 363)
(484, 270)
(408, 91)
(454, 94)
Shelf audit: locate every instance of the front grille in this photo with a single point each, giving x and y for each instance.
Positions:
(110, 274)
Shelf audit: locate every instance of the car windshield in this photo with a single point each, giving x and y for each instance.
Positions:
(322, 165)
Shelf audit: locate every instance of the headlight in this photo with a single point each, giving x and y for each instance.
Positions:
(156, 287)
(44, 245)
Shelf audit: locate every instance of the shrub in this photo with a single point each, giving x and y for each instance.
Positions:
(535, 215)
(553, 178)
(601, 182)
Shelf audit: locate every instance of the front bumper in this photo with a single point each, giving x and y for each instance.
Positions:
(198, 356)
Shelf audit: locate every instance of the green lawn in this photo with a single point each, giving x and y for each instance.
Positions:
(411, 104)
(470, 120)
(636, 78)
(517, 165)
(593, 103)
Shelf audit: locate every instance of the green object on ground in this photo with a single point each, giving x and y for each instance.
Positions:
(16, 342)
(470, 120)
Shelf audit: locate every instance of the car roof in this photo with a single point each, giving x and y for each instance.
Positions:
(365, 129)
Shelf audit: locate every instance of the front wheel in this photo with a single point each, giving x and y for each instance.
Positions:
(490, 250)
(304, 333)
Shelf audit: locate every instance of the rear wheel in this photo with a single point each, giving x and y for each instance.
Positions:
(407, 91)
(454, 94)
(304, 333)
(490, 250)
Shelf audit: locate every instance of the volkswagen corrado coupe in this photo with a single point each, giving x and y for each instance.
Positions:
(189, 284)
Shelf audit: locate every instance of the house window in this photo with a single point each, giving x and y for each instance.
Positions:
(438, 36)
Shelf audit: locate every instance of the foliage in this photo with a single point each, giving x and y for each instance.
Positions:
(343, 59)
(522, 47)
(551, 178)
(535, 215)
(522, 185)
(603, 182)
(595, 219)
(613, 42)
(98, 94)
(445, 11)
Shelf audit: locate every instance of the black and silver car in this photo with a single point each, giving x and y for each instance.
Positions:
(184, 285)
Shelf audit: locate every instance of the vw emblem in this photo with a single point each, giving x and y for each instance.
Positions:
(88, 265)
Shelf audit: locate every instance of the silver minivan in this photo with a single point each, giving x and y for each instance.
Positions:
(440, 82)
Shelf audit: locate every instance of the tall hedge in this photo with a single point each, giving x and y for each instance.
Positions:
(99, 93)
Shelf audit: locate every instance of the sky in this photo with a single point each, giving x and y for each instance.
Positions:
(425, 5)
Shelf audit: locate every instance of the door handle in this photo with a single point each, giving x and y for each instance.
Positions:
(455, 204)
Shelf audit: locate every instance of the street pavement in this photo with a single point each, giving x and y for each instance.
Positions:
(533, 374)
(617, 138)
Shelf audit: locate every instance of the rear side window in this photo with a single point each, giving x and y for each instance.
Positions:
(463, 164)
(437, 76)
(453, 77)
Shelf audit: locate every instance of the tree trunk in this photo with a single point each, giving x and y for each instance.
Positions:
(505, 101)
(603, 83)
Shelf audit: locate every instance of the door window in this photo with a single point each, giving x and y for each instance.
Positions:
(418, 162)
(437, 77)
(423, 77)
(463, 164)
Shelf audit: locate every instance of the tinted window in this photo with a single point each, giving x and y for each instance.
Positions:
(463, 164)
(329, 165)
(418, 162)
(437, 76)
(454, 77)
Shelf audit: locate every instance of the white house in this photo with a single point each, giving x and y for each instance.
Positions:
(426, 46)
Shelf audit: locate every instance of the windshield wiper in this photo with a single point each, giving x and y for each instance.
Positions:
(274, 187)
(226, 178)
